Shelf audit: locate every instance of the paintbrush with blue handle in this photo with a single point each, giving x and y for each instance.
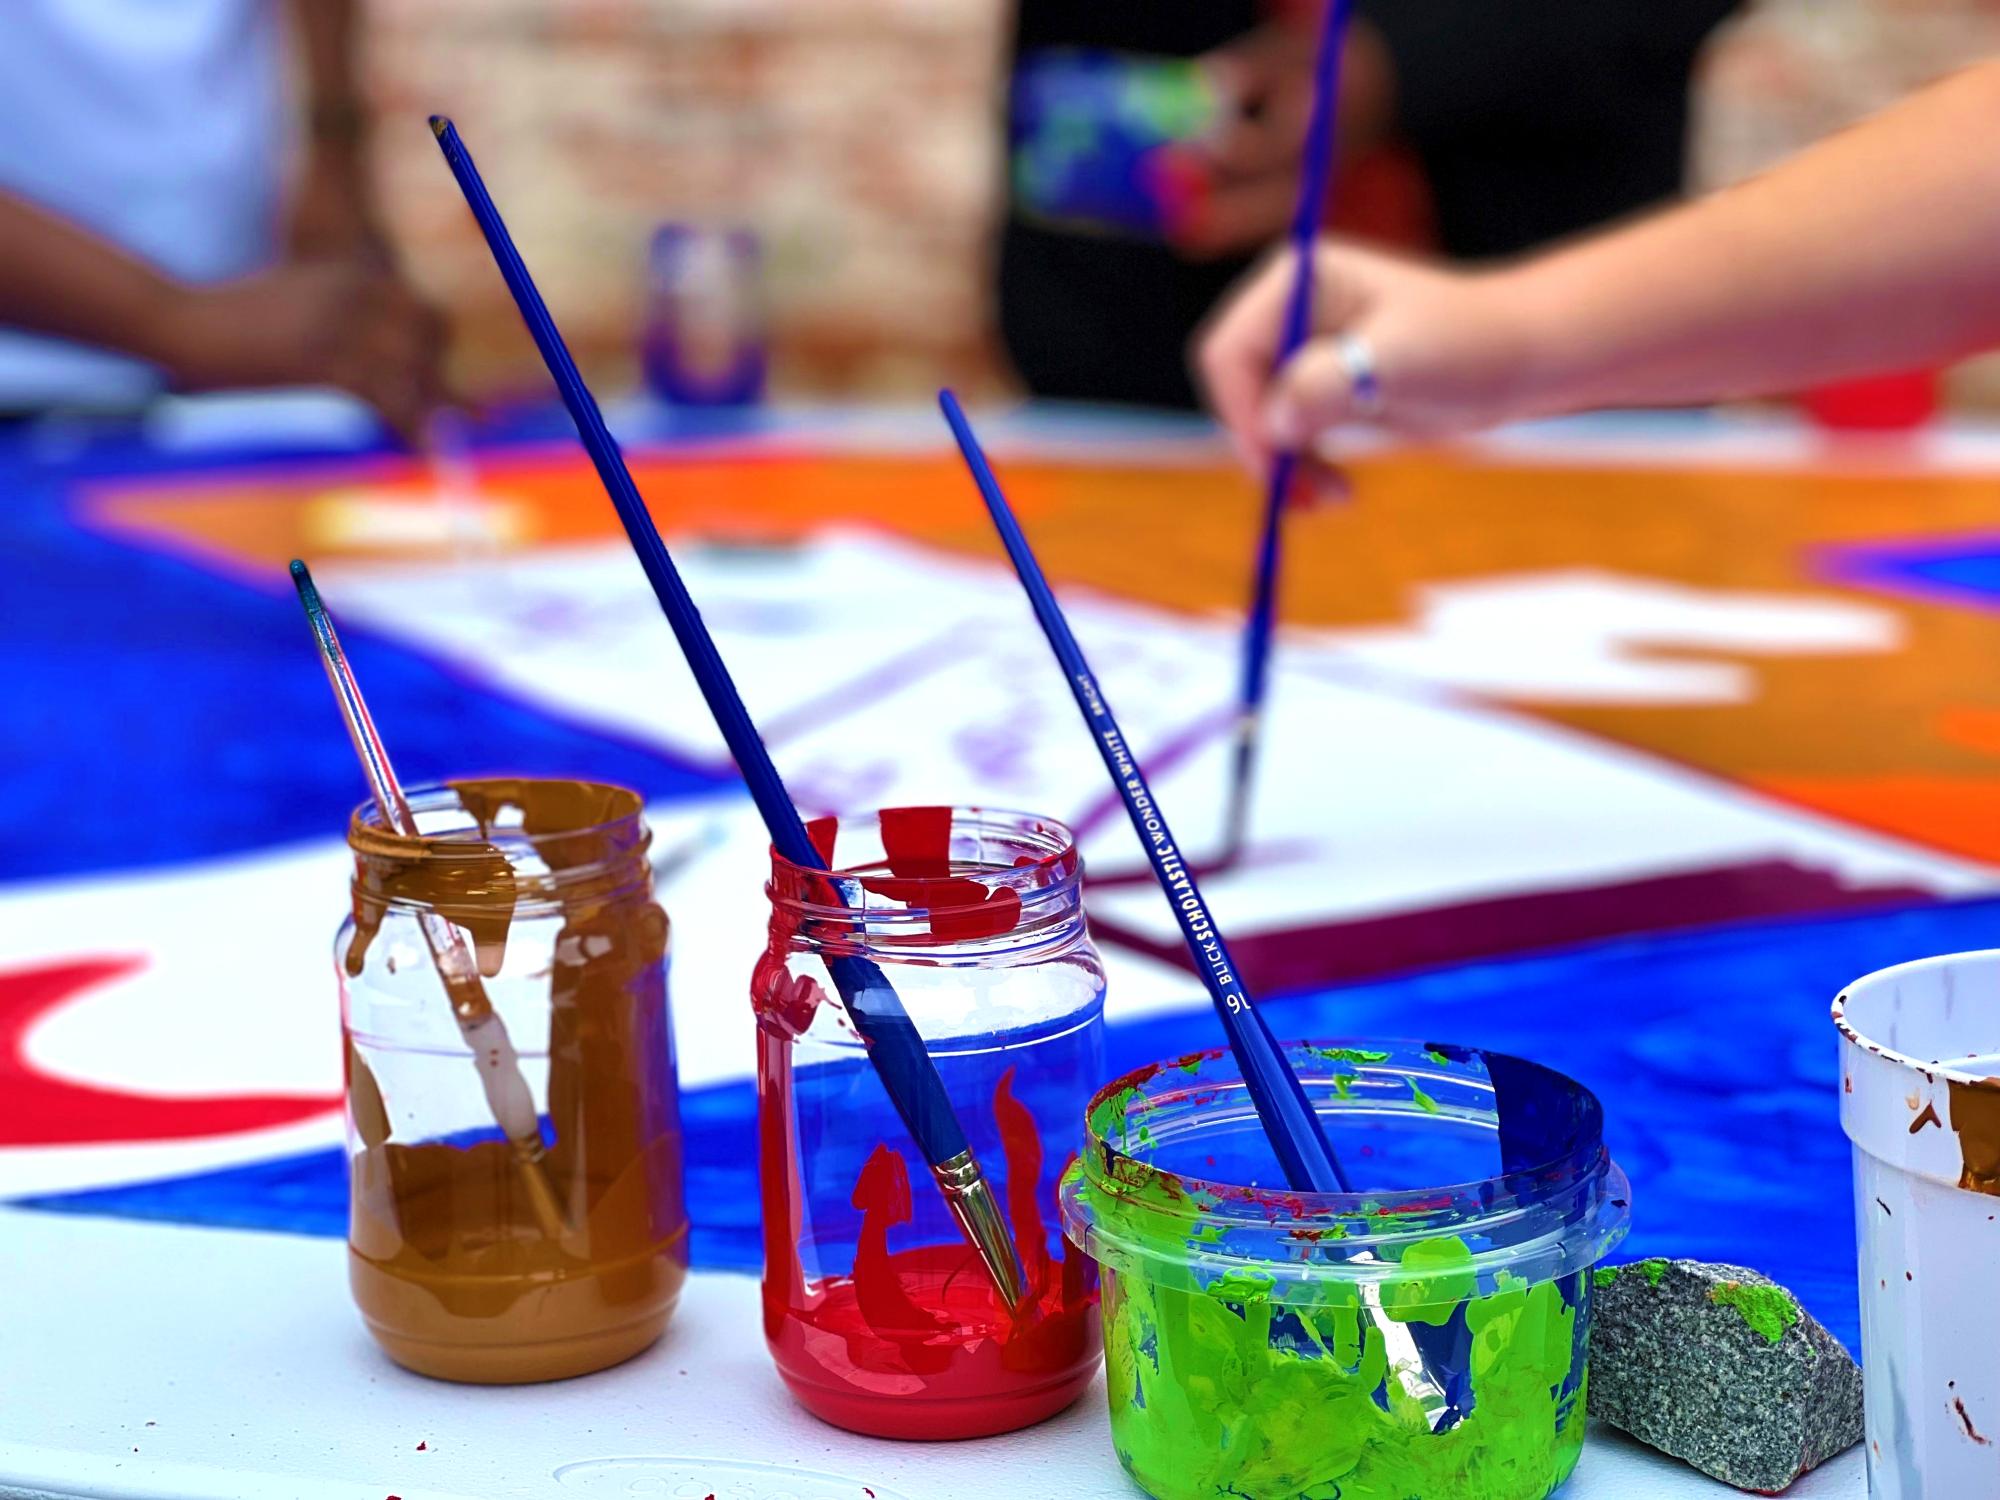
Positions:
(1315, 174)
(1427, 1357)
(894, 1047)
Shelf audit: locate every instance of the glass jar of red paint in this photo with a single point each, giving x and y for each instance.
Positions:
(880, 1315)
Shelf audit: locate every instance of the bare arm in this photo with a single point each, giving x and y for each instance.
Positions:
(57, 278)
(335, 323)
(1876, 249)
(333, 211)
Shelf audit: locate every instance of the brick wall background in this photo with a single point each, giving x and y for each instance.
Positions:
(860, 139)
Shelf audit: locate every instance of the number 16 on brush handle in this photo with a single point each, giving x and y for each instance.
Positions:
(1287, 1115)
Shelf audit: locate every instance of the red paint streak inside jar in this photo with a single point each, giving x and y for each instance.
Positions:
(870, 1331)
(915, 1343)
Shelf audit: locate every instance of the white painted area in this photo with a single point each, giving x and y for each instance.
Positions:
(314, 1412)
(1587, 636)
(1399, 797)
(236, 996)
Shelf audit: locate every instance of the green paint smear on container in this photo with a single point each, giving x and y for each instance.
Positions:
(1769, 1310)
(1437, 1057)
(1208, 1400)
(1424, 1101)
(1343, 1084)
(1112, 1115)
(1343, 1054)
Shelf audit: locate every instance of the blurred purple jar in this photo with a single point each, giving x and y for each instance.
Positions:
(704, 341)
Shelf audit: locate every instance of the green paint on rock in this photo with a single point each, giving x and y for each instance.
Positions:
(1769, 1310)
(1650, 1271)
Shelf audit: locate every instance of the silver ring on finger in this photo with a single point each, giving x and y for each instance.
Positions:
(1357, 358)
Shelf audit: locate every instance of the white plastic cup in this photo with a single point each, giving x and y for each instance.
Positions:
(1920, 1100)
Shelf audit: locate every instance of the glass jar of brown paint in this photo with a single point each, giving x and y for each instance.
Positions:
(472, 1255)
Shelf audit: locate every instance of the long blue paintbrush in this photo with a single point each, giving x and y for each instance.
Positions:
(894, 1047)
(1313, 179)
(1432, 1355)
(1309, 1163)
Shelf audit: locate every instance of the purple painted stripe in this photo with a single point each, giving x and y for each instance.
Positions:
(877, 683)
(1170, 752)
(1330, 952)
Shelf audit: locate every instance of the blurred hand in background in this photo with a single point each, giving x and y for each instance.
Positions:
(1869, 252)
(1264, 81)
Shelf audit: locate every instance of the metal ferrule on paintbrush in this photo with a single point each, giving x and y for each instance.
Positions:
(1236, 820)
(970, 1198)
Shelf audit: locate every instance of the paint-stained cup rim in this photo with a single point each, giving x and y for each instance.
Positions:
(1558, 1209)
(1932, 1067)
(934, 877)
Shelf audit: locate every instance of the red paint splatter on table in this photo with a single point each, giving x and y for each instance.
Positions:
(421, 1447)
(915, 1343)
(1958, 1405)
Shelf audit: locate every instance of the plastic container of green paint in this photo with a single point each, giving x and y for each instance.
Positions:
(1424, 1336)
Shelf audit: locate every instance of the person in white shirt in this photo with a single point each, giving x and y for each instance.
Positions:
(151, 234)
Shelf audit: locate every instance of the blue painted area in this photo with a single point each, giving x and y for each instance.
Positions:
(1962, 570)
(159, 713)
(1711, 1050)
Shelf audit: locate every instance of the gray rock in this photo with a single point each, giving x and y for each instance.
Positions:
(1721, 1368)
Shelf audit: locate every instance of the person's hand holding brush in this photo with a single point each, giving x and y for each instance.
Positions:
(348, 322)
(1871, 251)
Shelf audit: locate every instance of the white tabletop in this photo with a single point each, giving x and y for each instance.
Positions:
(145, 1360)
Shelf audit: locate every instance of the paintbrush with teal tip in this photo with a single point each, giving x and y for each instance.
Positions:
(507, 1092)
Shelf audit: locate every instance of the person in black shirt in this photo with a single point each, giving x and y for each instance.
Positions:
(1530, 119)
